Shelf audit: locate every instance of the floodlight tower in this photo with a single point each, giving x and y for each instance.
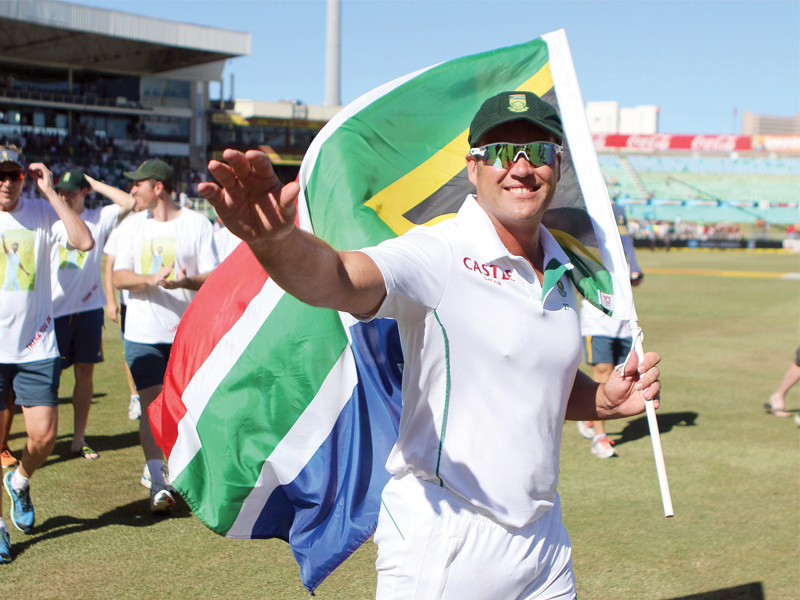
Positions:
(332, 59)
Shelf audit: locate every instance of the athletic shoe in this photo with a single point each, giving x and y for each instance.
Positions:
(21, 512)
(586, 429)
(5, 547)
(797, 419)
(6, 458)
(161, 498)
(146, 481)
(134, 408)
(602, 447)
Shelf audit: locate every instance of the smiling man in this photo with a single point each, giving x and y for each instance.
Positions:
(491, 353)
(29, 361)
(159, 292)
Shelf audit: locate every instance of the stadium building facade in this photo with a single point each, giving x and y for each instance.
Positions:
(99, 78)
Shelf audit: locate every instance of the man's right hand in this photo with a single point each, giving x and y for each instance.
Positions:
(112, 311)
(252, 202)
(162, 274)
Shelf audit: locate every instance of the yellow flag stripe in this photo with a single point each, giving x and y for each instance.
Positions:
(395, 200)
(713, 273)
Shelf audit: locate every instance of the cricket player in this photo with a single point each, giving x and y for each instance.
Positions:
(491, 358)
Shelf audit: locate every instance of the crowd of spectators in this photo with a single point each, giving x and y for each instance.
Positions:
(100, 158)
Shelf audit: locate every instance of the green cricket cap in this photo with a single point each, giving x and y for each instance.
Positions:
(72, 180)
(153, 169)
(506, 107)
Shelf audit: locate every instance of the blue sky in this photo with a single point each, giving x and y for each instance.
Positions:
(696, 60)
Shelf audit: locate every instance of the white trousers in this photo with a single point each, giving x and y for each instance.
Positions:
(433, 544)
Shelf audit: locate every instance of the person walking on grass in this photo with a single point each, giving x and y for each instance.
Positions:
(491, 358)
(78, 293)
(158, 299)
(29, 358)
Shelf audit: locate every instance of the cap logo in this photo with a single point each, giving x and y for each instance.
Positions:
(5, 155)
(66, 175)
(517, 103)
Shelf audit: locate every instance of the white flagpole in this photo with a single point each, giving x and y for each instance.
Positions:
(652, 422)
(587, 168)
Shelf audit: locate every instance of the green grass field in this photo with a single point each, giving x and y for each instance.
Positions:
(734, 474)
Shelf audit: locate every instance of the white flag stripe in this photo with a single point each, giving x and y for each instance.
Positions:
(214, 369)
(587, 168)
(300, 443)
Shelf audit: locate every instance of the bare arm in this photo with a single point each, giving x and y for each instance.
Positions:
(112, 308)
(78, 235)
(257, 208)
(5, 248)
(623, 395)
(24, 270)
(124, 200)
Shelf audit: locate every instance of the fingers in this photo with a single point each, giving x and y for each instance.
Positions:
(261, 164)
(289, 195)
(239, 164)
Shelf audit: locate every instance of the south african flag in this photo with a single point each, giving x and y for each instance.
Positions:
(277, 417)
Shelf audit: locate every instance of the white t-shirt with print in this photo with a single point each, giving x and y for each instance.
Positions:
(111, 247)
(490, 359)
(26, 306)
(77, 277)
(154, 312)
(225, 242)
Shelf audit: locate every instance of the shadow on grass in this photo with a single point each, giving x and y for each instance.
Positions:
(134, 514)
(748, 591)
(637, 428)
(68, 399)
(101, 443)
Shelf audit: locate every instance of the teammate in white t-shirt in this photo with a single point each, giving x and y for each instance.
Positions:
(606, 343)
(490, 363)
(29, 361)
(78, 293)
(182, 240)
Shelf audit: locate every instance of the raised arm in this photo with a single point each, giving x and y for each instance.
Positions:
(78, 235)
(623, 395)
(124, 200)
(257, 208)
(5, 248)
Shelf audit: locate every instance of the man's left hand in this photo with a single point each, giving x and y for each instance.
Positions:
(627, 388)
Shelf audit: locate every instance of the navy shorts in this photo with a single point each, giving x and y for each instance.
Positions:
(147, 362)
(80, 337)
(123, 308)
(600, 349)
(34, 383)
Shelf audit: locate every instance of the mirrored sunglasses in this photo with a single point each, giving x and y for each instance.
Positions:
(13, 176)
(503, 155)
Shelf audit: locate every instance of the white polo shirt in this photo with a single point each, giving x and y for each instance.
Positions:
(489, 362)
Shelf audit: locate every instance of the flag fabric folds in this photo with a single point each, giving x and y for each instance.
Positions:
(277, 417)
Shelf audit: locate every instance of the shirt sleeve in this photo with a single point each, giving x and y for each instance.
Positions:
(112, 243)
(124, 258)
(207, 259)
(415, 269)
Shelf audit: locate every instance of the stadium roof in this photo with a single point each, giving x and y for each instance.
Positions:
(59, 33)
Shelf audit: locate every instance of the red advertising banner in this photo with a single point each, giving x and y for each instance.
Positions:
(667, 141)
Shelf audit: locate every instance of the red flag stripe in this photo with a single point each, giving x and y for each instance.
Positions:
(219, 303)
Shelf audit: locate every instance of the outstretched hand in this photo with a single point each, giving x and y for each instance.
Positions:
(252, 201)
(628, 387)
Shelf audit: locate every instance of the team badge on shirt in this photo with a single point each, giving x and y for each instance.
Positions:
(561, 289)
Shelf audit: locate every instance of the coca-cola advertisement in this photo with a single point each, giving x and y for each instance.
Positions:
(668, 141)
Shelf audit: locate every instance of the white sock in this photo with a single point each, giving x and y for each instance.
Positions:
(598, 436)
(156, 467)
(3, 524)
(134, 397)
(18, 482)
